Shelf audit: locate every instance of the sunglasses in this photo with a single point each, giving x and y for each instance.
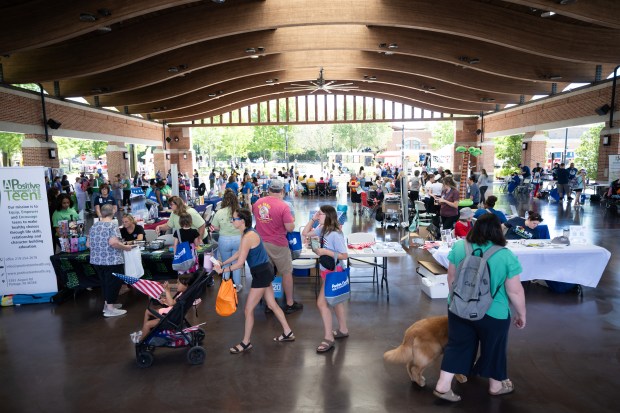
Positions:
(236, 219)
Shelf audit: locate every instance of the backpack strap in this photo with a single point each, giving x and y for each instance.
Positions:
(485, 257)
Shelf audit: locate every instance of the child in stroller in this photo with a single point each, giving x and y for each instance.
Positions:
(172, 329)
(152, 316)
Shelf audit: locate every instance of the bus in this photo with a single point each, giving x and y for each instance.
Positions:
(554, 157)
(416, 159)
(351, 160)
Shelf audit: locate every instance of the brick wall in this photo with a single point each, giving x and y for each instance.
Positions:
(35, 151)
(117, 164)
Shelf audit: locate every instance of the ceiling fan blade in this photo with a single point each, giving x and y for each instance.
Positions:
(313, 91)
(344, 84)
(299, 85)
(329, 83)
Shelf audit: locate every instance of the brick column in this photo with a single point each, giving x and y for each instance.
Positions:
(465, 136)
(161, 161)
(487, 159)
(536, 151)
(117, 164)
(35, 151)
(604, 151)
(181, 151)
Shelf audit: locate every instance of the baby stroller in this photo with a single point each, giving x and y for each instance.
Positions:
(391, 211)
(173, 330)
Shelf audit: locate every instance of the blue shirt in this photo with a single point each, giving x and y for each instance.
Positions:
(257, 255)
(499, 214)
(234, 186)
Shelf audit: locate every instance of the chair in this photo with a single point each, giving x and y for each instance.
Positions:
(218, 205)
(358, 238)
(321, 189)
(206, 215)
(367, 210)
(150, 235)
(311, 188)
(425, 217)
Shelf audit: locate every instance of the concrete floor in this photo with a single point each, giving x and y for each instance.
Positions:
(68, 358)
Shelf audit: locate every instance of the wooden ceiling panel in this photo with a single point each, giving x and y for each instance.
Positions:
(472, 53)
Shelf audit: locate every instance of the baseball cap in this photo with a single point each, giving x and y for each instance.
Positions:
(437, 177)
(276, 185)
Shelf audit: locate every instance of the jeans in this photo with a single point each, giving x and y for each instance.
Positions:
(228, 245)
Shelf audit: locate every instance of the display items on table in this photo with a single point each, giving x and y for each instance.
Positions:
(69, 234)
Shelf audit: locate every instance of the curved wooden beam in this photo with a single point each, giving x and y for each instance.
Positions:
(437, 46)
(40, 23)
(602, 12)
(160, 33)
(257, 99)
(285, 77)
(433, 70)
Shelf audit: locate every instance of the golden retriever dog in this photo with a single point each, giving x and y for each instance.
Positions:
(424, 341)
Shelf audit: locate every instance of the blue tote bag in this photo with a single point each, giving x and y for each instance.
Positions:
(184, 258)
(294, 243)
(277, 287)
(337, 287)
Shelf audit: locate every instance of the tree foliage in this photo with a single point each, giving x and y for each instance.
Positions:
(586, 154)
(508, 149)
(442, 134)
(10, 144)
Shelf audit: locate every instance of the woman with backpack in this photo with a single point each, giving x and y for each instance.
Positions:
(490, 332)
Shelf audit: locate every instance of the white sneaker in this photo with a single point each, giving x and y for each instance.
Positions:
(115, 312)
(136, 337)
(117, 306)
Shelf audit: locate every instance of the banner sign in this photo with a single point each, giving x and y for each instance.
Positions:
(614, 167)
(26, 236)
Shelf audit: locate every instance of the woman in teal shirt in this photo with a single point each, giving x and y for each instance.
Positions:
(490, 332)
(64, 211)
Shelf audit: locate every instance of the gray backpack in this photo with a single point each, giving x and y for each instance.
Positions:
(471, 290)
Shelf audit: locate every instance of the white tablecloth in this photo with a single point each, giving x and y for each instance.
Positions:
(578, 264)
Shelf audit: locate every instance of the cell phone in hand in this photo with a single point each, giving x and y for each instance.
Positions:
(214, 260)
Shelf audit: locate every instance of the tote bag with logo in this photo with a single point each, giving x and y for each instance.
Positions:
(184, 256)
(337, 287)
(294, 243)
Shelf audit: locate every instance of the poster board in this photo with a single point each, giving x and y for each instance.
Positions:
(614, 167)
(26, 243)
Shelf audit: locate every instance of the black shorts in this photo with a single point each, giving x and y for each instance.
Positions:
(262, 275)
(356, 198)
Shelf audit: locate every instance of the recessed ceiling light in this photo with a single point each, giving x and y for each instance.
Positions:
(173, 69)
(487, 99)
(254, 56)
(272, 81)
(566, 2)
(250, 50)
(388, 53)
(553, 77)
(218, 1)
(212, 94)
(260, 49)
(547, 14)
(104, 29)
(392, 46)
(431, 88)
(88, 17)
(474, 61)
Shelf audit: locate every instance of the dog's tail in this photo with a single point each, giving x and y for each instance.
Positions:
(400, 354)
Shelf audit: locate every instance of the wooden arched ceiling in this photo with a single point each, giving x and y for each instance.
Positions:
(164, 58)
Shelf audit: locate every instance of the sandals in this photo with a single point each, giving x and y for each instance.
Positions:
(507, 388)
(240, 348)
(325, 346)
(449, 396)
(339, 334)
(285, 337)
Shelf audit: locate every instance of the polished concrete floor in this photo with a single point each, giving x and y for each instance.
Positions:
(68, 358)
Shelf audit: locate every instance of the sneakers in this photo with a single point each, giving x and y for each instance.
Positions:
(115, 312)
(239, 287)
(289, 309)
(117, 306)
(136, 337)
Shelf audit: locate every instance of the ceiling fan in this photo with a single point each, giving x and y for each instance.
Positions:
(321, 84)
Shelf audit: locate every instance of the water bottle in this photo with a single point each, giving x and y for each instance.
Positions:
(566, 232)
(527, 215)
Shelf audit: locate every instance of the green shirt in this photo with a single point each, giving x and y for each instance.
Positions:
(197, 221)
(68, 214)
(502, 265)
(222, 219)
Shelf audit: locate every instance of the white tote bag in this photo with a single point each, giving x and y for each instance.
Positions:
(133, 263)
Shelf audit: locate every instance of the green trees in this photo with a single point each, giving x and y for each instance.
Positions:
(586, 154)
(10, 143)
(508, 149)
(442, 134)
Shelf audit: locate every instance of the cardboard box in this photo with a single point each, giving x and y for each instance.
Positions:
(433, 285)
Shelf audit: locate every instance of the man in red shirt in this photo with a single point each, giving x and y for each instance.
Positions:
(273, 220)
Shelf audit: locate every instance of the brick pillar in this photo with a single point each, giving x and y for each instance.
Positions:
(604, 151)
(36, 151)
(161, 161)
(465, 136)
(486, 161)
(181, 151)
(536, 151)
(117, 164)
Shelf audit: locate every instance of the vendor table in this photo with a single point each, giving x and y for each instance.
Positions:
(382, 250)
(155, 224)
(73, 270)
(577, 264)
